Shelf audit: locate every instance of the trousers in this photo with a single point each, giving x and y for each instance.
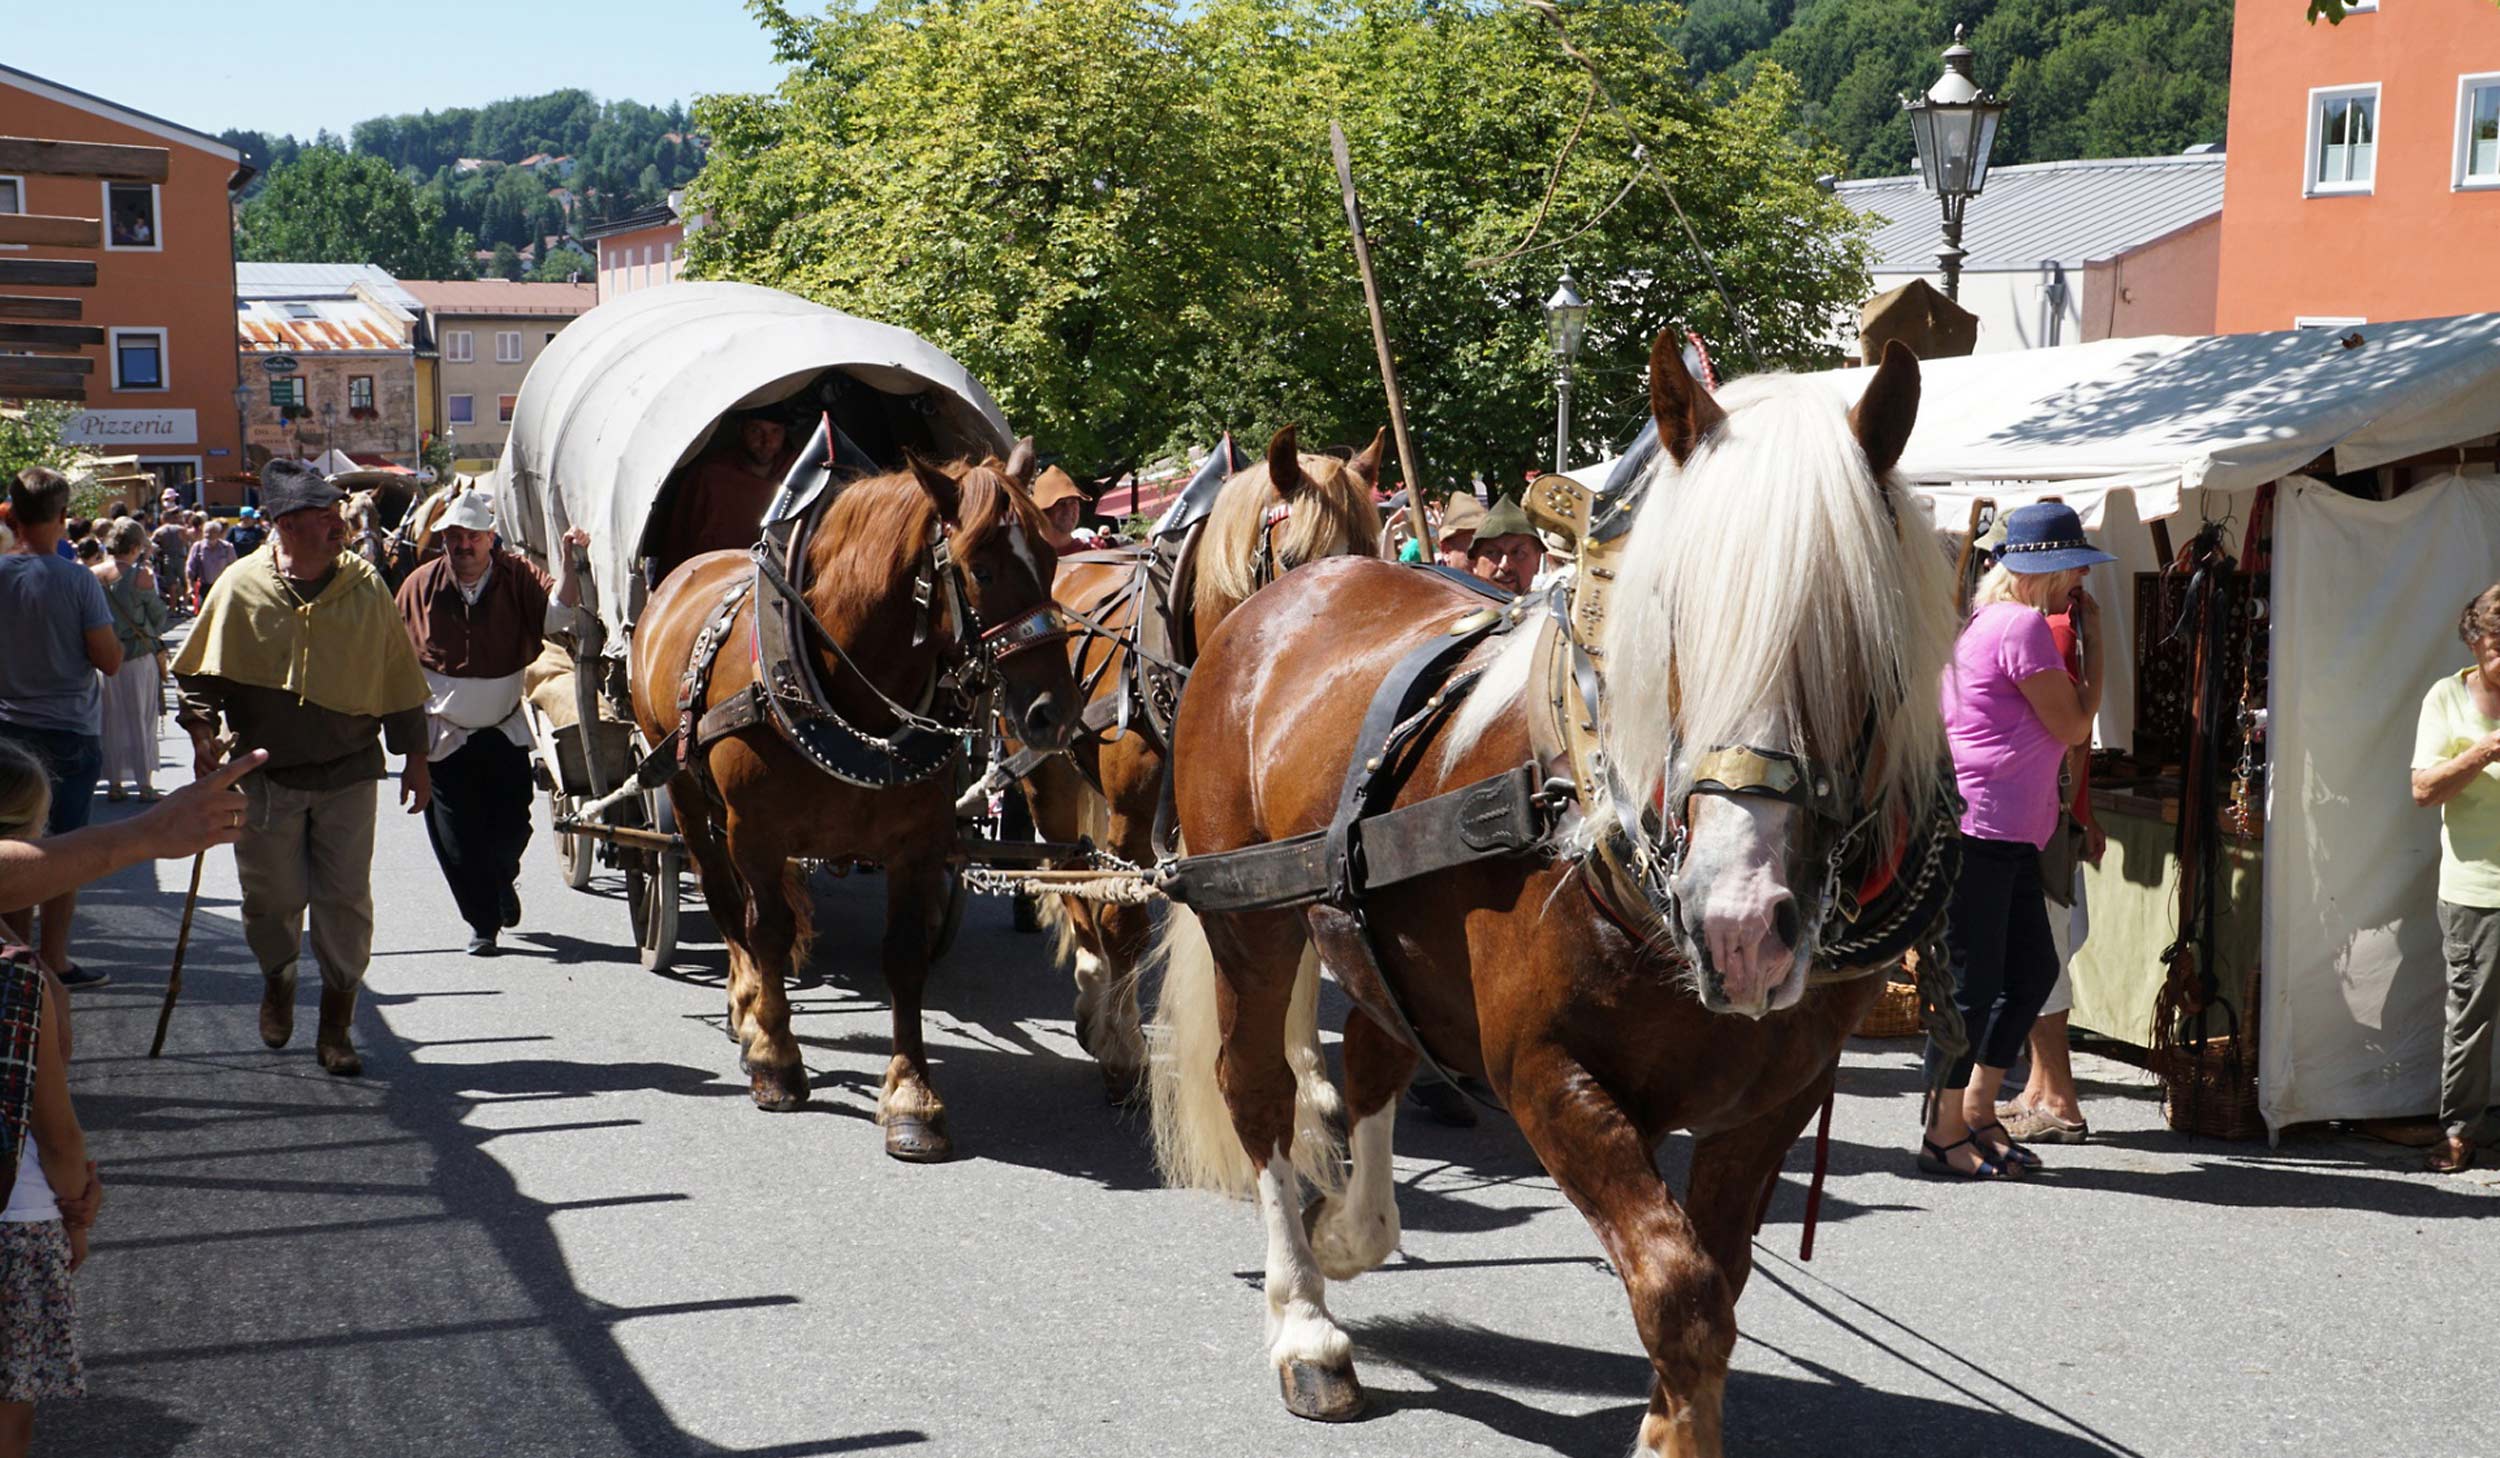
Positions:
(308, 850)
(2004, 962)
(2469, 941)
(479, 823)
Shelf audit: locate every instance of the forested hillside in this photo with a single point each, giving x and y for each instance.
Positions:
(589, 161)
(2086, 78)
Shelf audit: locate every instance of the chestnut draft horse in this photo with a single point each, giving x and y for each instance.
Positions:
(904, 572)
(1270, 518)
(1779, 600)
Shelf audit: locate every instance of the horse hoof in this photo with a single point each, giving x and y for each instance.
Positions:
(778, 1090)
(916, 1140)
(1123, 1086)
(1323, 1396)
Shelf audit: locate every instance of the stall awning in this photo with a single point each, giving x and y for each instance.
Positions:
(2162, 416)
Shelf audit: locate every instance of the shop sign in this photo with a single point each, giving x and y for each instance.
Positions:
(132, 428)
(278, 364)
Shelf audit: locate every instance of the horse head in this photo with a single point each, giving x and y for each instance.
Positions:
(1778, 629)
(996, 539)
(1280, 512)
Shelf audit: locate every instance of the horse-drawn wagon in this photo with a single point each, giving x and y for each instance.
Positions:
(610, 422)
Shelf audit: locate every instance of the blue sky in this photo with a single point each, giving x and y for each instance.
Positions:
(213, 64)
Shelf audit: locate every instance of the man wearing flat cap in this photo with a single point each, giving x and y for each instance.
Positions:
(478, 615)
(1507, 551)
(299, 652)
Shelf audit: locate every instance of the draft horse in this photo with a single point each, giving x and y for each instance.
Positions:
(1271, 517)
(929, 589)
(1768, 748)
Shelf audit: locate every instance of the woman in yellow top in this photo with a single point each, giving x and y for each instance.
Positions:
(2455, 750)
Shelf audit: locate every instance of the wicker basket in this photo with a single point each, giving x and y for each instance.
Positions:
(2206, 1094)
(1895, 1014)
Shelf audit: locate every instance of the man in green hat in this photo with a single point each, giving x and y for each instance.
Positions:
(1506, 551)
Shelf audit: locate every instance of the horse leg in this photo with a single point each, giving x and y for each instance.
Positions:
(775, 926)
(1106, 1007)
(1259, 958)
(1681, 1300)
(727, 894)
(1065, 811)
(908, 1107)
(1355, 1231)
(1731, 1172)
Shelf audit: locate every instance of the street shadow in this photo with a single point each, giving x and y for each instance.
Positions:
(1775, 1416)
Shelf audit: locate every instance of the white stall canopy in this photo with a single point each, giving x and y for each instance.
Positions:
(2164, 416)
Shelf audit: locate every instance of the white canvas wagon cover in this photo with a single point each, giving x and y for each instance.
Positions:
(633, 389)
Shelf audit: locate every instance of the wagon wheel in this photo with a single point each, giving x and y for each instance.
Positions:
(576, 854)
(651, 890)
(951, 920)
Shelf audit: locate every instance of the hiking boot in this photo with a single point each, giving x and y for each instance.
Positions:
(277, 1007)
(336, 1052)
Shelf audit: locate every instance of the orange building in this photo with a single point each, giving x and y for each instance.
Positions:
(2364, 180)
(164, 385)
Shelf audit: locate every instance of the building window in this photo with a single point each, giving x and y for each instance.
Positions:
(507, 346)
(287, 392)
(459, 346)
(130, 220)
(2478, 130)
(462, 410)
(2343, 139)
(503, 407)
(360, 396)
(12, 200)
(138, 359)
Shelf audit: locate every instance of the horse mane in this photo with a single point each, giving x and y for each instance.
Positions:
(1333, 516)
(1767, 575)
(868, 545)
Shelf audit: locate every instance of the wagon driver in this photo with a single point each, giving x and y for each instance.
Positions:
(298, 651)
(721, 498)
(479, 614)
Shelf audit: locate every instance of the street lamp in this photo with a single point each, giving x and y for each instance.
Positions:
(329, 425)
(1953, 126)
(1566, 317)
(242, 428)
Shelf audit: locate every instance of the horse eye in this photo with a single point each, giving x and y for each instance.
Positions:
(984, 576)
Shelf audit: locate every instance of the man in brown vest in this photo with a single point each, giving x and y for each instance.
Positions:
(479, 615)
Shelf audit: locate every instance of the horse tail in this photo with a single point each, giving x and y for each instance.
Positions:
(1196, 1146)
(1094, 824)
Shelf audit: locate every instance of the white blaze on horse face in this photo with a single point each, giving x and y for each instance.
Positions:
(1734, 888)
(1023, 548)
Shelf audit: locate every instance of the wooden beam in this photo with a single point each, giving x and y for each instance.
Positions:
(84, 159)
(49, 232)
(57, 364)
(35, 306)
(72, 336)
(50, 272)
(12, 377)
(71, 388)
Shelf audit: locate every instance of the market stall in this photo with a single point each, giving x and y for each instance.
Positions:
(2353, 470)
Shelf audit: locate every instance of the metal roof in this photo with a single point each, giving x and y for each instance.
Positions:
(2071, 213)
(497, 297)
(318, 280)
(322, 324)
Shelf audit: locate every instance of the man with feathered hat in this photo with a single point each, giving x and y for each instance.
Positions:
(299, 650)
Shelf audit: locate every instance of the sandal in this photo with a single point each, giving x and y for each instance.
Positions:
(2038, 1126)
(2015, 1153)
(1932, 1160)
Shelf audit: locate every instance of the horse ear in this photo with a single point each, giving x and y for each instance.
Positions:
(1884, 415)
(1020, 462)
(1284, 464)
(942, 488)
(1367, 465)
(1684, 410)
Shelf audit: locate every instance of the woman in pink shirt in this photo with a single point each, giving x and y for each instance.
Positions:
(2011, 711)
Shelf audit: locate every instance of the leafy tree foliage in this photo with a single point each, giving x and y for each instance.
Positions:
(1121, 214)
(331, 206)
(2085, 78)
(565, 264)
(30, 435)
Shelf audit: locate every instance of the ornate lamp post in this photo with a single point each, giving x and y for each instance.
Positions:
(1954, 126)
(1566, 318)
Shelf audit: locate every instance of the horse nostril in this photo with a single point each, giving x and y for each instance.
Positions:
(1040, 714)
(1785, 922)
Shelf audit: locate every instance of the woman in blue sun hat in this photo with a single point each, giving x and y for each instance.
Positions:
(2012, 710)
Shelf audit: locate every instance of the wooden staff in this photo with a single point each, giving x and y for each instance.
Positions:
(1409, 466)
(182, 944)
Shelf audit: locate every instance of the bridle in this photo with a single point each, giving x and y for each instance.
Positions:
(1267, 564)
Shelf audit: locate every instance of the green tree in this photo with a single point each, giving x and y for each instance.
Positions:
(330, 206)
(565, 263)
(30, 435)
(1121, 216)
(507, 262)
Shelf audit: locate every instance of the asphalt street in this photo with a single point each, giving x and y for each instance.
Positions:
(548, 1221)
